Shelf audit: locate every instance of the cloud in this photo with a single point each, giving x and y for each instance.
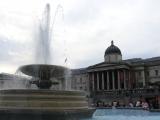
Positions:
(14, 54)
(134, 27)
(84, 33)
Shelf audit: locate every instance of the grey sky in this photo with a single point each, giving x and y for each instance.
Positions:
(84, 33)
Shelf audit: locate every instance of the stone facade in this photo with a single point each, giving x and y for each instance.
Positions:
(113, 58)
(118, 79)
(80, 80)
(12, 81)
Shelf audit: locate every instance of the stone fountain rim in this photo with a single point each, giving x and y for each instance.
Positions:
(39, 91)
(49, 65)
(35, 67)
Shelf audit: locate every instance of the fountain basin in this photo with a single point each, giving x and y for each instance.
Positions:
(44, 103)
(43, 73)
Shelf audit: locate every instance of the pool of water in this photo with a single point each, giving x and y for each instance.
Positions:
(124, 114)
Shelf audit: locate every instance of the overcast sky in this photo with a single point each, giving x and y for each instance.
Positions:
(82, 30)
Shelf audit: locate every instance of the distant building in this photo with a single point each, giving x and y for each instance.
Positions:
(80, 79)
(21, 81)
(12, 81)
(122, 80)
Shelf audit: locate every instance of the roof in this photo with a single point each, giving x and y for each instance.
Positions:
(147, 61)
(108, 66)
(79, 71)
(112, 50)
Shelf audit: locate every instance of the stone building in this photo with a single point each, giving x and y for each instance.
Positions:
(12, 81)
(80, 80)
(122, 80)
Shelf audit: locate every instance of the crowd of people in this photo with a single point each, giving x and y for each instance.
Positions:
(142, 103)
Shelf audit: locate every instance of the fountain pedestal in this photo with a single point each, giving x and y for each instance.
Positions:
(43, 104)
(48, 104)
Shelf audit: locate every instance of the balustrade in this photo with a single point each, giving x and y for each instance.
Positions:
(134, 92)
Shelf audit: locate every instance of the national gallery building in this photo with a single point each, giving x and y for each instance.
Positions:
(117, 79)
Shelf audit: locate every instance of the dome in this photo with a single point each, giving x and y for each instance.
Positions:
(112, 50)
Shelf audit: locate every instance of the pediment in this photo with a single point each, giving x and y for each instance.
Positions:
(108, 66)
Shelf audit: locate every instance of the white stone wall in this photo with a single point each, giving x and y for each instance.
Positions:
(113, 58)
(140, 76)
(152, 74)
(80, 82)
(14, 84)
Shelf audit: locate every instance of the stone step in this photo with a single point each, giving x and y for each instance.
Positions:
(63, 104)
(43, 108)
(40, 92)
(41, 97)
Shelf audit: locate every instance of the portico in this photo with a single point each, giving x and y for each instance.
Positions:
(111, 76)
(103, 79)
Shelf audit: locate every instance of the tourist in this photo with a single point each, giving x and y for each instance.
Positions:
(131, 104)
(138, 104)
(145, 105)
(114, 104)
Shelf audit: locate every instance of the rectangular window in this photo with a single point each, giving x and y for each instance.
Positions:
(81, 80)
(140, 85)
(139, 73)
(147, 73)
(156, 72)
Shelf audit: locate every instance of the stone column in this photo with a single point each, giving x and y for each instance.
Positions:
(102, 80)
(143, 75)
(107, 80)
(129, 80)
(93, 82)
(124, 72)
(119, 82)
(113, 81)
(97, 81)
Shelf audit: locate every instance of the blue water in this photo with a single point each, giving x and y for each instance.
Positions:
(124, 114)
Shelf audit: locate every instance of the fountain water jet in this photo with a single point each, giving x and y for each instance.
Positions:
(43, 103)
(44, 36)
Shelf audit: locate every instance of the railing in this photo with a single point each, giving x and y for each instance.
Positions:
(133, 92)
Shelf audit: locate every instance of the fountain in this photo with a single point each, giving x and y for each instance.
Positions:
(44, 103)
